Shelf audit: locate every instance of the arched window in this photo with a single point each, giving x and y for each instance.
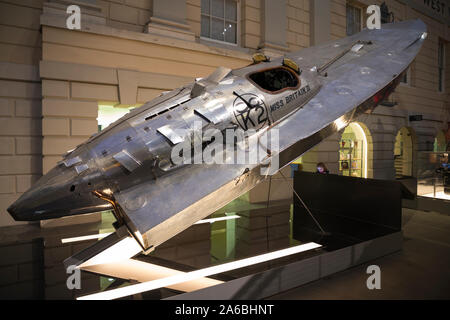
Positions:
(275, 79)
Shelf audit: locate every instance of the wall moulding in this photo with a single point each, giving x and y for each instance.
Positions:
(56, 70)
(58, 21)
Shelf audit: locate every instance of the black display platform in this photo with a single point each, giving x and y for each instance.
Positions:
(350, 210)
(361, 219)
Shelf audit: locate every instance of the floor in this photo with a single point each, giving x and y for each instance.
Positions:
(420, 271)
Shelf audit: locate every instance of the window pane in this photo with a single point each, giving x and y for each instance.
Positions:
(217, 29)
(404, 78)
(230, 33)
(205, 6)
(441, 54)
(205, 26)
(357, 13)
(231, 10)
(353, 20)
(441, 62)
(349, 20)
(217, 8)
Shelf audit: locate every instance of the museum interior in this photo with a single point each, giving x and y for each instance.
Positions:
(292, 235)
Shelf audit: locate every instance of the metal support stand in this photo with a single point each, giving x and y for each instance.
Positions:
(306, 207)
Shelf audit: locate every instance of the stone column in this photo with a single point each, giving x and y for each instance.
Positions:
(320, 21)
(273, 26)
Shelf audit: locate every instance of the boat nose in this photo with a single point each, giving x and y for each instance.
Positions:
(58, 193)
(12, 209)
(43, 195)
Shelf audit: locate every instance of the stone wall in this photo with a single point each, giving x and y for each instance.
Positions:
(20, 101)
(22, 270)
(130, 15)
(298, 20)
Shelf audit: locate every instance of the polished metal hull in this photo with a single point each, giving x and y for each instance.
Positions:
(347, 92)
(155, 201)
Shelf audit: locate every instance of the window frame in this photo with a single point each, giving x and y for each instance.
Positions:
(238, 26)
(271, 68)
(408, 78)
(361, 16)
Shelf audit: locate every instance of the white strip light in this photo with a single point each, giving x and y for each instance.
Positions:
(83, 238)
(124, 249)
(144, 271)
(180, 278)
(212, 220)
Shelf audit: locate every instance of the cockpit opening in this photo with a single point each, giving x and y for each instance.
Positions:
(275, 79)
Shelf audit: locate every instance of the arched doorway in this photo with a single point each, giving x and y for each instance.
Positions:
(403, 153)
(355, 151)
(440, 143)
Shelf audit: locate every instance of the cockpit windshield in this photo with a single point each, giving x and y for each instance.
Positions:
(275, 79)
